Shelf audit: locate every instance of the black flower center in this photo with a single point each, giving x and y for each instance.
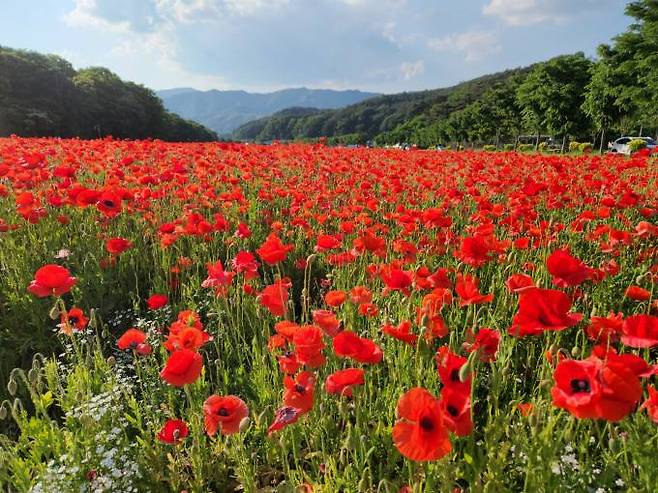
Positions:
(300, 389)
(223, 411)
(452, 410)
(426, 424)
(580, 386)
(454, 375)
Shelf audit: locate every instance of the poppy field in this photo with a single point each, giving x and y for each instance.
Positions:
(226, 317)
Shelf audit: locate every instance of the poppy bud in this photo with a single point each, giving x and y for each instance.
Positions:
(465, 373)
(54, 312)
(364, 483)
(33, 375)
(613, 445)
(12, 387)
(18, 405)
(260, 417)
(3, 413)
(244, 424)
(111, 361)
(575, 351)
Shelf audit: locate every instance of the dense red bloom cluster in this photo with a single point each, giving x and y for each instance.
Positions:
(329, 246)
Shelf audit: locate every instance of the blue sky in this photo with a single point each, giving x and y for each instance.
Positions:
(261, 45)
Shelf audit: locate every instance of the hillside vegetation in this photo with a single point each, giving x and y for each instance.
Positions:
(43, 95)
(372, 117)
(569, 97)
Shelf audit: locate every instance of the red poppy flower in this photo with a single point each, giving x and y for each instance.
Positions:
(475, 251)
(288, 363)
(73, 319)
(596, 389)
(519, 282)
(566, 269)
(245, 263)
(651, 404)
(605, 329)
(396, 279)
(157, 301)
(299, 392)
(420, 433)
(402, 332)
(577, 387)
(486, 344)
(286, 328)
(347, 344)
(335, 298)
(51, 280)
(109, 203)
(327, 320)
(342, 381)
(468, 291)
(640, 331)
(525, 408)
(243, 231)
(131, 339)
(456, 406)
(326, 242)
(275, 297)
(360, 295)
(368, 309)
(173, 431)
(541, 310)
(224, 414)
(449, 366)
(273, 251)
(183, 336)
(182, 368)
(637, 293)
(116, 246)
(283, 417)
(218, 278)
(308, 346)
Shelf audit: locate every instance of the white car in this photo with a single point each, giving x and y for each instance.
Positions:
(621, 144)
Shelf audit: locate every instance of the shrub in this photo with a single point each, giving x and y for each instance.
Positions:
(508, 147)
(543, 147)
(490, 148)
(636, 145)
(526, 147)
(574, 146)
(586, 147)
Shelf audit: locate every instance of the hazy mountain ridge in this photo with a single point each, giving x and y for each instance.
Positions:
(224, 111)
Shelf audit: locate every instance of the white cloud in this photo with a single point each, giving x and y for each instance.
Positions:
(526, 12)
(476, 45)
(410, 70)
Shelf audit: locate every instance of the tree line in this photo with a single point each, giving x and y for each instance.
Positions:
(43, 95)
(569, 97)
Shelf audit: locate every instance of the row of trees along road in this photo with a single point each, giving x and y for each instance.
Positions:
(569, 97)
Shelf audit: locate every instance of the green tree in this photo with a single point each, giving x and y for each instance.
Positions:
(552, 95)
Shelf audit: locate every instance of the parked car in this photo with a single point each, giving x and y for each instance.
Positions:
(621, 144)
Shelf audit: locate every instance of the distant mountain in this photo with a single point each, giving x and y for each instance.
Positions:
(224, 111)
(387, 119)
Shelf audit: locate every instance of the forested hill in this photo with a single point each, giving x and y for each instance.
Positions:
(372, 117)
(569, 97)
(43, 95)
